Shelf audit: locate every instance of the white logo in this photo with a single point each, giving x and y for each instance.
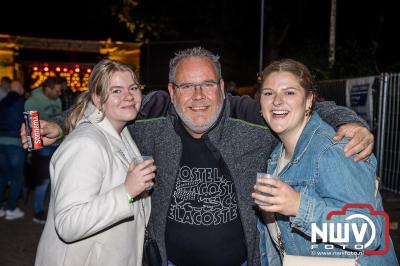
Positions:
(340, 232)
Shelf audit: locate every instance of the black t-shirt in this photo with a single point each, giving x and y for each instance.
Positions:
(203, 223)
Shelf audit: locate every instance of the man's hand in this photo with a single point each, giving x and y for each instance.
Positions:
(361, 141)
(48, 130)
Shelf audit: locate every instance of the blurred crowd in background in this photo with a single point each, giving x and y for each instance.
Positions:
(23, 172)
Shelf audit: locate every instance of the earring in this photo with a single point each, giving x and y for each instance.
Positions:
(308, 111)
(99, 116)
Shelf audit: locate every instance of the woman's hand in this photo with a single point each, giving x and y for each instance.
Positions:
(281, 198)
(140, 177)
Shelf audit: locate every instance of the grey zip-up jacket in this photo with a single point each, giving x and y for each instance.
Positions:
(244, 148)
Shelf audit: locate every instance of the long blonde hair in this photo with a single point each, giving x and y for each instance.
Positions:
(99, 84)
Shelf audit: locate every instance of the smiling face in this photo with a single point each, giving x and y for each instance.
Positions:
(284, 104)
(124, 99)
(198, 107)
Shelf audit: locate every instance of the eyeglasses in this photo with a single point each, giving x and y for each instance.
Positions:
(189, 87)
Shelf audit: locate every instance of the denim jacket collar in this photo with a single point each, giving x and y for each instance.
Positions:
(301, 146)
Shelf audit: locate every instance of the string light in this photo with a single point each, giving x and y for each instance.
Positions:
(77, 77)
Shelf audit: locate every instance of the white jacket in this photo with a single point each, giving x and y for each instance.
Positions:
(90, 221)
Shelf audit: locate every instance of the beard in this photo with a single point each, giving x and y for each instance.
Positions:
(199, 127)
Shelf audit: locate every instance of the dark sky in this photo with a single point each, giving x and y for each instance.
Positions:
(360, 21)
(92, 19)
(75, 19)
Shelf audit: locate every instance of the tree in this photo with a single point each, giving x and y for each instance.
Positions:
(298, 29)
(141, 20)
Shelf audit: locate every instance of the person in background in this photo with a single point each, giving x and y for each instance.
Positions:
(232, 89)
(5, 86)
(314, 177)
(68, 97)
(12, 155)
(47, 102)
(98, 211)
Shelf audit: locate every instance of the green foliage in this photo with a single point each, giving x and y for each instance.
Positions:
(140, 20)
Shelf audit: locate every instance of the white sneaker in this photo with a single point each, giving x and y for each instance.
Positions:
(2, 212)
(15, 214)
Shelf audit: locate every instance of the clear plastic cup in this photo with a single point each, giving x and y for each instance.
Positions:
(138, 159)
(263, 175)
(141, 158)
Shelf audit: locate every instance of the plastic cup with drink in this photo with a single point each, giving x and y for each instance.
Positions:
(260, 176)
(141, 158)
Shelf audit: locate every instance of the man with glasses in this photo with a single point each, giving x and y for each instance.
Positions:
(202, 210)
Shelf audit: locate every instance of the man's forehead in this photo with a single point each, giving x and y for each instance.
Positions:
(195, 67)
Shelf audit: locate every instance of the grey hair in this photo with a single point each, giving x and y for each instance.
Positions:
(194, 52)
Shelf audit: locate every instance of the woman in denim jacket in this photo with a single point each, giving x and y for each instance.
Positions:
(314, 177)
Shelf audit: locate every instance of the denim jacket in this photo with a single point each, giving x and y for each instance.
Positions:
(326, 180)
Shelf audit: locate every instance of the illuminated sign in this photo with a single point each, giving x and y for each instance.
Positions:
(77, 76)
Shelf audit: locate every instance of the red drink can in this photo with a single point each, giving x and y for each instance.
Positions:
(32, 125)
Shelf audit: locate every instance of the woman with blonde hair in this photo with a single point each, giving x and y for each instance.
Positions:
(98, 204)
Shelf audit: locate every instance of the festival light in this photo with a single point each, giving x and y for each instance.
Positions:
(77, 76)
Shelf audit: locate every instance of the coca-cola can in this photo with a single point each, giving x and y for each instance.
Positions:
(32, 125)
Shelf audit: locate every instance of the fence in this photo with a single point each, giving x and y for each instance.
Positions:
(388, 135)
(386, 97)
